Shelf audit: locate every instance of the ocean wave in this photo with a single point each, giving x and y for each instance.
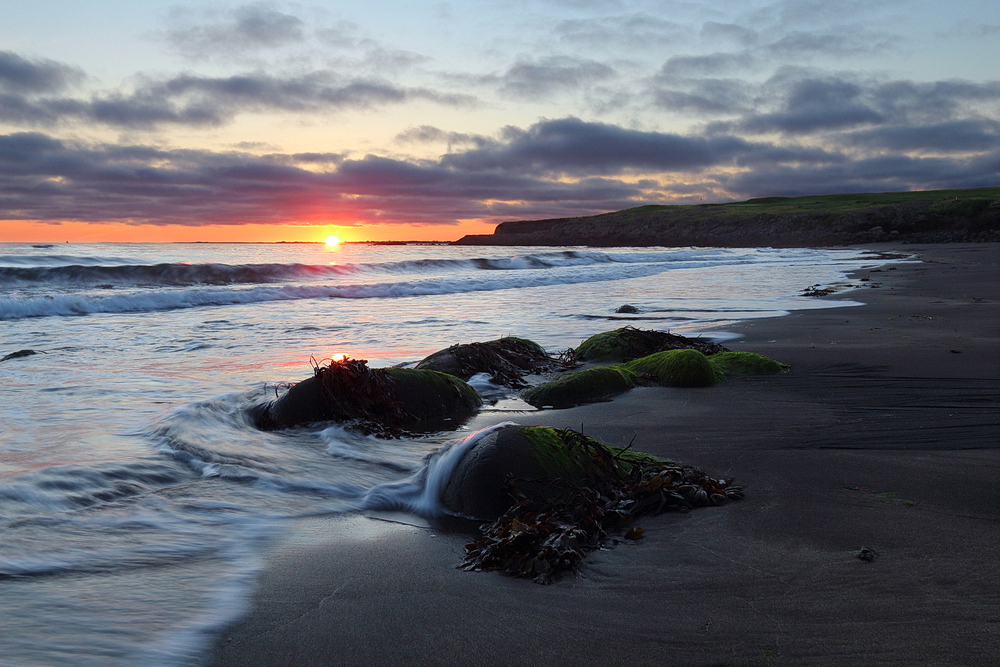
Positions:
(421, 493)
(14, 308)
(100, 272)
(32, 260)
(71, 487)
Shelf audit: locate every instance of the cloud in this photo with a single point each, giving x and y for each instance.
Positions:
(638, 31)
(705, 65)
(706, 96)
(552, 168)
(22, 76)
(248, 27)
(428, 134)
(741, 35)
(573, 146)
(530, 79)
(851, 42)
(967, 135)
(798, 101)
(880, 173)
(193, 100)
(43, 178)
(817, 104)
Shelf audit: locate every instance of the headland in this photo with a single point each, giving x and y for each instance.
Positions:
(939, 216)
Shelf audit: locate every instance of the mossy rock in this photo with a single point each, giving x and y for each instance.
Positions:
(628, 343)
(426, 394)
(393, 398)
(506, 359)
(532, 455)
(746, 363)
(581, 387)
(676, 368)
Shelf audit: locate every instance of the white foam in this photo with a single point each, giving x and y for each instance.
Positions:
(421, 493)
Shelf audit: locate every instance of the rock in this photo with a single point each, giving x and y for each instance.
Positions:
(626, 308)
(669, 368)
(505, 359)
(19, 354)
(581, 387)
(629, 343)
(746, 363)
(386, 399)
(533, 455)
(676, 368)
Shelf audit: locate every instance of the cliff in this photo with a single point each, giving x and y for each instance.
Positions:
(915, 217)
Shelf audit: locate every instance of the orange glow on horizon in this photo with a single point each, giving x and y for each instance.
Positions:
(332, 241)
(27, 231)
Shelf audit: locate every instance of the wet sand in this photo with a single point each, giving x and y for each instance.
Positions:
(884, 435)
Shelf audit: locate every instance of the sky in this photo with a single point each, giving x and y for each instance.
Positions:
(414, 120)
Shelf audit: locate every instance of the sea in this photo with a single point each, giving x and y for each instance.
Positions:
(137, 500)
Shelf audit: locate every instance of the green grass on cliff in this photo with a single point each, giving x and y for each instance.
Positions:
(961, 202)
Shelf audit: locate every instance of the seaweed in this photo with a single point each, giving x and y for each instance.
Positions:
(628, 343)
(544, 534)
(506, 360)
(379, 401)
(361, 395)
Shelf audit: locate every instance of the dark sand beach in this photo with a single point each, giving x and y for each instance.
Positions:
(884, 435)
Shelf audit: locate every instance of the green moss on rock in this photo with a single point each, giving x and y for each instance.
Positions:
(426, 394)
(628, 343)
(533, 456)
(676, 368)
(580, 387)
(380, 400)
(746, 363)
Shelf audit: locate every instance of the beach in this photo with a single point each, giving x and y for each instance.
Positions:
(882, 440)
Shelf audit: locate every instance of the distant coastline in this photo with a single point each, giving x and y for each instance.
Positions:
(938, 216)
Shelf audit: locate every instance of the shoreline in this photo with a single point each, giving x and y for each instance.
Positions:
(880, 437)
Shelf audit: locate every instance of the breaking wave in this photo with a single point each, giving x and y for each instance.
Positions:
(86, 303)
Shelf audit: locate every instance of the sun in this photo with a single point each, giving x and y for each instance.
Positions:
(332, 241)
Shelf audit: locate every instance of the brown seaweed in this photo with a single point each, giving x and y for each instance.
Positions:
(543, 535)
(506, 360)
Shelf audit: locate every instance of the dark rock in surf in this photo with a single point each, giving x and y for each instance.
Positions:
(383, 401)
(629, 343)
(505, 359)
(531, 455)
(626, 308)
(566, 495)
(19, 354)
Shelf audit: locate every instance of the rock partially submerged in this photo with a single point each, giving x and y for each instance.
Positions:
(378, 400)
(506, 360)
(628, 343)
(19, 354)
(534, 455)
(554, 494)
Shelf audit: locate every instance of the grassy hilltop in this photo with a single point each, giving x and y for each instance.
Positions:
(915, 217)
